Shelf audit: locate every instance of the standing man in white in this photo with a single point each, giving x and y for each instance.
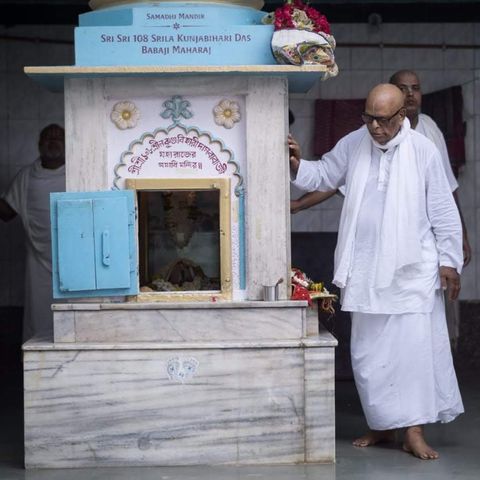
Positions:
(399, 245)
(408, 82)
(29, 197)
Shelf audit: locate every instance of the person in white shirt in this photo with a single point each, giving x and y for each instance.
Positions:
(409, 84)
(399, 244)
(29, 197)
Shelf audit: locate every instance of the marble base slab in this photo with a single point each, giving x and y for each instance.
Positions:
(162, 405)
(109, 322)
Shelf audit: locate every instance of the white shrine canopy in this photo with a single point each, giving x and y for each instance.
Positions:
(96, 4)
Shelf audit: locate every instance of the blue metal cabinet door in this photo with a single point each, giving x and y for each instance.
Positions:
(94, 250)
(76, 247)
(110, 219)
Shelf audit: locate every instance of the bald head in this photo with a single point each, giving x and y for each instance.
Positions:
(408, 82)
(384, 95)
(397, 77)
(384, 112)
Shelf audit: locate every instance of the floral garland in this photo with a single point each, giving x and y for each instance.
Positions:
(295, 14)
(303, 288)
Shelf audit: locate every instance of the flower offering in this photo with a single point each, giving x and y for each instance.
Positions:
(302, 36)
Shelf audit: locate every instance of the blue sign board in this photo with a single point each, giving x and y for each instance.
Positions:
(174, 34)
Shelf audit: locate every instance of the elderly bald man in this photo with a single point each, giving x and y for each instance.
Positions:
(399, 244)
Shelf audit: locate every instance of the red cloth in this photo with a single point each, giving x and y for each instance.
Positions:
(301, 293)
(333, 120)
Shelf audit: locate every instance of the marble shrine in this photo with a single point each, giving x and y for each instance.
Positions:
(176, 215)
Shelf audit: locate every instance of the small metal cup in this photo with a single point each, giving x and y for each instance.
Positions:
(270, 293)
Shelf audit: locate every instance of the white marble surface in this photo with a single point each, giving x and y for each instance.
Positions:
(319, 404)
(85, 146)
(324, 339)
(122, 305)
(266, 177)
(144, 407)
(184, 324)
(268, 187)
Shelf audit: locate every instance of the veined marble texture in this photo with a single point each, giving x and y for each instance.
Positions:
(157, 407)
(183, 324)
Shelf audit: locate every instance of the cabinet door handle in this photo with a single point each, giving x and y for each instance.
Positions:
(106, 248)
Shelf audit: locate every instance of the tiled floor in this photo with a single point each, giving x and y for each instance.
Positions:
(457, 443)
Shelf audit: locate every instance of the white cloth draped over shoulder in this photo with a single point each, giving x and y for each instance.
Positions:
(399, 190)
(427, 127)
(29, 196)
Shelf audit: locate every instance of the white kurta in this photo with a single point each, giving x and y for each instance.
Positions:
(412, 290)
(410, 309)
(427, 127)
(29, 196)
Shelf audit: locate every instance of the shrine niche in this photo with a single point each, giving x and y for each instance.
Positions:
(184, 239)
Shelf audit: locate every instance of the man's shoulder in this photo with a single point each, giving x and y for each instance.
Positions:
(425, 149)
(30, 166)
(22, 175)
(423, 117)
(428, 122)
(355, 136)
(421, 140)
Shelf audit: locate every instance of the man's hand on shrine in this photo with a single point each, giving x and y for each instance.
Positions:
(450, 280)
(294, 153)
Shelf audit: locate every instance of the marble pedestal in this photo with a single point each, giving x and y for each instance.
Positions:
(180, 400)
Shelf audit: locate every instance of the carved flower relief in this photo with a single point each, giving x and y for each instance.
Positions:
(125, 115)
(227, 113)
(182, 369)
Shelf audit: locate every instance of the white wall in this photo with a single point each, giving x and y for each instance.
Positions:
(362, 68)
(26, 107)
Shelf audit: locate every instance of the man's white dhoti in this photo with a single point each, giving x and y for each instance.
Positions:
(403, 368)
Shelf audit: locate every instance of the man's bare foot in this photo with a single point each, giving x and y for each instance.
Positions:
(414, 443)
(373, 437)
